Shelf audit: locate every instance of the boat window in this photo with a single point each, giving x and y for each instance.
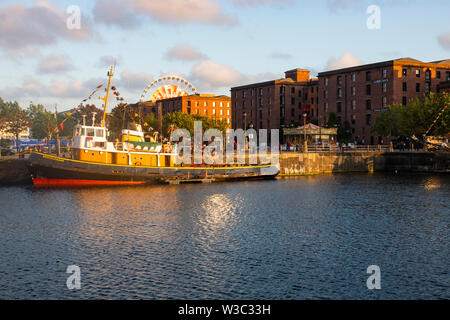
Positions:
(90, 132)
(99, 133)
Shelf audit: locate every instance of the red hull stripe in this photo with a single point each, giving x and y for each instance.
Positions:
(81, 183)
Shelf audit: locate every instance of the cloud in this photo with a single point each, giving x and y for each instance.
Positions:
(280, 55)
(116, 12)
(444, 40)
(107, 61)
(54, 64)
(336, 5)
(24, 28)
(127, 14)
(184, 52)
(133, 81)
(253, 3)
(347, 59)
(209, 74)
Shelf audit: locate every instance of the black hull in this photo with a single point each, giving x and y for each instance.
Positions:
(47, 170)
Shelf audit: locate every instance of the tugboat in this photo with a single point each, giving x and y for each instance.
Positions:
(95, 161)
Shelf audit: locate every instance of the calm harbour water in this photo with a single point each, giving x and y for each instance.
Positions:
(292, 238)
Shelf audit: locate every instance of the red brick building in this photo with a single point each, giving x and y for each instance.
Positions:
(206, 105)
(277, 103)
(444, 86)
(358, 94)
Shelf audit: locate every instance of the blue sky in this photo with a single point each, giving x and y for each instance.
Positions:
(215, 46)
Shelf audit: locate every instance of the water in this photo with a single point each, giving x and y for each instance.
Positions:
(295, 238)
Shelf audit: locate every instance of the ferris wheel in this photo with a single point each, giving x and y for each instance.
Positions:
(168, 87)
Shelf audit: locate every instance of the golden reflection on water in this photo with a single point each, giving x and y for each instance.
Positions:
(219, 212)
(432, 183)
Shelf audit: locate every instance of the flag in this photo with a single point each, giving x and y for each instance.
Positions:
(62, 126)
(99, 86)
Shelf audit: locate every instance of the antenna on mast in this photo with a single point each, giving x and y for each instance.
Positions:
(105, 98)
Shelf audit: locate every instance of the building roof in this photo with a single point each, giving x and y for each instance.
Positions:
(401, 61)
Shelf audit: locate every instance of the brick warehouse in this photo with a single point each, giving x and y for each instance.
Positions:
(358, 94)
(206, 105)
(277, 103)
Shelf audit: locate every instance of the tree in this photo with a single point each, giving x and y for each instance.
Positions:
(415, 118)
(43, 122)
(13, 119)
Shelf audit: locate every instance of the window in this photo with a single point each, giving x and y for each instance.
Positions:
(188, 103)
(90, 132)
(299, 93)
(292, 100)
(205, 104)
(292, 112)
(312, 89)
(447, 75)
(368, 90)
(221, 104)
(404, 101)
(353, 91)
(353, 119)
(417, 87)
(427, 74)
(189, 110)
(228, 112)
(384, 73)
(404, 72)
(384, 102)
(384, 87)
(281, 90)
(214, 111)
(326, 81)
(282, 100)
(196, 111)
(368, 118)
(339, 80)
(243, 94)
(438, 74)
(214, 104)
(325, 106)
(325, 94)
(404, 87)
(205, 111)
(339, 93)
(339, 106)
(427, 87)
(417, 73)
(368, 76)
(292, 90)
(99, 133)
(368, 104)
(221, 112)
(354, 104)
(354, 77)
(228, 104)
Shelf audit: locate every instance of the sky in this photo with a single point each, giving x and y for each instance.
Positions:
(47, 57)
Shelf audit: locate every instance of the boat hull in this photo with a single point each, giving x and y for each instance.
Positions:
(51, 171)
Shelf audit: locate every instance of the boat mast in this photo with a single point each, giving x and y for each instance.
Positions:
(105, 99)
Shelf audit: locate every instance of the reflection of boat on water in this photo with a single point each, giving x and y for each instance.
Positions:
(95, 161)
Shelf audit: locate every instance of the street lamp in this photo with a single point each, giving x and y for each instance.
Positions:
(305, 148)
